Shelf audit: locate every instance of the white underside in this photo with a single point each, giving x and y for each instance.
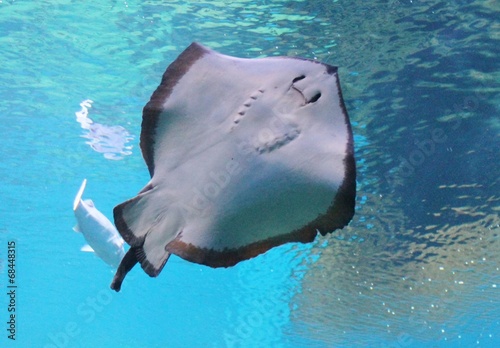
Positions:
(226, 180)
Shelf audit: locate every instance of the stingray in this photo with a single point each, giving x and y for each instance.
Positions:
(244, 155)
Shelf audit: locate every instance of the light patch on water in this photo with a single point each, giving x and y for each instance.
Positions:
(111, 141)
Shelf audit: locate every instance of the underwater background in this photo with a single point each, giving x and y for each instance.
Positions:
(419, 265)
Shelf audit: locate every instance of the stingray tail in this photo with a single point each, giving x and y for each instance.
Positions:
(147, 225)
(128, 262)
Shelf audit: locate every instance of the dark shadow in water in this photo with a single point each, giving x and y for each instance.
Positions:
(421, 254)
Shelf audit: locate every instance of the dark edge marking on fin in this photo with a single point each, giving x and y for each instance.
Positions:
(122, 227)
(120, 223)
(146, 188)
(230, 257)
(330, 69)
(147, 266)
(128, 262)
(342, 209)
(154, 107)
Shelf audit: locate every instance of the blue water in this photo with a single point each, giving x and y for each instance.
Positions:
(418, 266)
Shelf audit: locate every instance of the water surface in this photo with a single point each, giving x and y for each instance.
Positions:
(417, 267)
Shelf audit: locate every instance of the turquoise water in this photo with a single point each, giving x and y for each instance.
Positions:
(417, 267)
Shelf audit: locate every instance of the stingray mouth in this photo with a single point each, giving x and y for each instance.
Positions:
(313, 99)
(300, 92)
